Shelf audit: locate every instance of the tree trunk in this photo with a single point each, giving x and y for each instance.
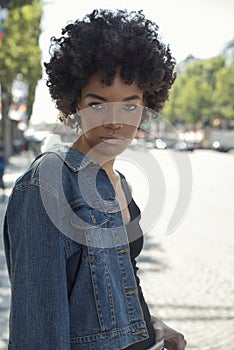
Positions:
(6, 123)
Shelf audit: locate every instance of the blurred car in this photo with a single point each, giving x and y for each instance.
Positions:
(218, 146)
(184, 146)
(137, 144)
(170, 143)
(35, 139)
(160, 144)
(133, 144)
(150, 144)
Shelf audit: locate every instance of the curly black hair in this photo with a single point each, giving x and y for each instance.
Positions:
(104, 41)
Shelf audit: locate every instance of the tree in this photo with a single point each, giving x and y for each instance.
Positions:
(207, 69)
(20, 52)
(192, 98)
(224, 94)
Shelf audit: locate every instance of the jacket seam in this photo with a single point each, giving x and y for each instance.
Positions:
(117, 331)
(34, 182)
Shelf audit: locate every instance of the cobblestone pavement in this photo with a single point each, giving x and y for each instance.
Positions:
(188, 276)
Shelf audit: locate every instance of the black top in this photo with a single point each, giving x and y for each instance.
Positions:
(135, 236)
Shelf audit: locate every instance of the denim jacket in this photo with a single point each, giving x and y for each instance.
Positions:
(67, 253)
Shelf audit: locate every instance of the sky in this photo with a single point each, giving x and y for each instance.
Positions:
(197, 27)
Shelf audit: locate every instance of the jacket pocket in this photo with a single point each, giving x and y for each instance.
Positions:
(83, 217)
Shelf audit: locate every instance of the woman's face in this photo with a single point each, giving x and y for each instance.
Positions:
(110, 115)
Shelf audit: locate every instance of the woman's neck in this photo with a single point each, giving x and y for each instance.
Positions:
(106, 161)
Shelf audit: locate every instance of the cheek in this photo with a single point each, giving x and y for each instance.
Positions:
(90, 121)
(91, 132)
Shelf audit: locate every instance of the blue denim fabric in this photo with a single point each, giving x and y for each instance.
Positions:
(56, 221)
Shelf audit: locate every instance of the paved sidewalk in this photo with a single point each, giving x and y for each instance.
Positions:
(187, 277)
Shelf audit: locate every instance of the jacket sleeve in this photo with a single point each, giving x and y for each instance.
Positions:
(34, 249)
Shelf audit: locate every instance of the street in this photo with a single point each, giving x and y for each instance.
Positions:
(187, 276)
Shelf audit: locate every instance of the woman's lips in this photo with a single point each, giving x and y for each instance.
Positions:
(112, 139)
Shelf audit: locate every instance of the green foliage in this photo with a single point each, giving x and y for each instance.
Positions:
(20, 52)
(204, 90)
(207, 69)
(224, 93)
(19, 3)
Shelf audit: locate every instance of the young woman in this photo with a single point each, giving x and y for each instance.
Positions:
(72, 230)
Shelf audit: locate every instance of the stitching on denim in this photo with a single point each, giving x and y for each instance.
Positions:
(35, 182)
(122, 331)
(66, 247)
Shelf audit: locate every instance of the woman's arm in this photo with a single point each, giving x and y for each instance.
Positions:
(34, 248)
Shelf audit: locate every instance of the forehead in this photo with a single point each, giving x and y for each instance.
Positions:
(117, 91)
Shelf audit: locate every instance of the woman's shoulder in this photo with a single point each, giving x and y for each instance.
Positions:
(42, 171)
(52, 169)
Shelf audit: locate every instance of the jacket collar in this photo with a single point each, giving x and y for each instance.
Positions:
(73, 158)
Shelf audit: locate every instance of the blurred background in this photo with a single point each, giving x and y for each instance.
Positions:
(187, 276)
(199, 33)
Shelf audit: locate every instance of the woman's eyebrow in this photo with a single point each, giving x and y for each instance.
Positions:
(133, 97)
(96, 96)
(129, 98)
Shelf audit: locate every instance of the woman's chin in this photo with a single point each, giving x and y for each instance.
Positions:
(109, 148)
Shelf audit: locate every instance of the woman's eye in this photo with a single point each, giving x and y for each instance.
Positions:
(130, 107)
(97, 106)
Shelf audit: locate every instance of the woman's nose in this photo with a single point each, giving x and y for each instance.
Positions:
(113, 125)
(113, 118)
